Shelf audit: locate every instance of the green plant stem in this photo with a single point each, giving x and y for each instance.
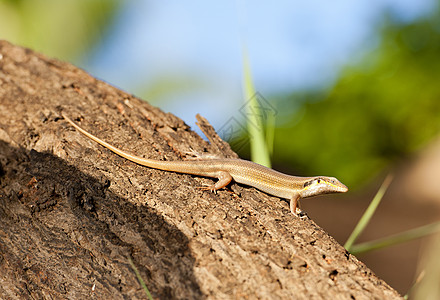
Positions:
(363, 222)
(259, 150)
(396, 238)
(141, 281)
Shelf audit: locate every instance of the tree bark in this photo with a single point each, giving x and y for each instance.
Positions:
(72, 213)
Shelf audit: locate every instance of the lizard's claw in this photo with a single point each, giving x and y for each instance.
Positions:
(210, 188)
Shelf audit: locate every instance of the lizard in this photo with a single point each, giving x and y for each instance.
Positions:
(292, 188)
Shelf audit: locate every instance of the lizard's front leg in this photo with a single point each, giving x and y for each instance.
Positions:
(294, 205)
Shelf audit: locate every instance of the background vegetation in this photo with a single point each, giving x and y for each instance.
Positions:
(381, 109)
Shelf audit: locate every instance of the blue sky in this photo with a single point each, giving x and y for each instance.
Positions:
(291, 45)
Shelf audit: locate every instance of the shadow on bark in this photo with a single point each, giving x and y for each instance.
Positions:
(64, 234)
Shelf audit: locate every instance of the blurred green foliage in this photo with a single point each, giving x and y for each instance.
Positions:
(382, 109)
(63, 29)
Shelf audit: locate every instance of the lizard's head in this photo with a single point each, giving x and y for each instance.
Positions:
(322, 185)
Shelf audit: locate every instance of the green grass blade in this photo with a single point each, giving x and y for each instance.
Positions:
(415, 285)
(363, 222)
(395, 239)
(270, 133)
(259, 150)
(427, 284)
(139, 277)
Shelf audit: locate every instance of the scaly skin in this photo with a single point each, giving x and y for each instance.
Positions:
(241, 171)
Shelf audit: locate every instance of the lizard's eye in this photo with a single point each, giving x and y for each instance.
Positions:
(319, 181)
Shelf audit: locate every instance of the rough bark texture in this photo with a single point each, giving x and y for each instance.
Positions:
(72, 213)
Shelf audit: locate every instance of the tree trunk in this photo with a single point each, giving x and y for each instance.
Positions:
(72, 213)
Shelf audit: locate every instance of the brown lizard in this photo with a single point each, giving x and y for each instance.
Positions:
(241, 171)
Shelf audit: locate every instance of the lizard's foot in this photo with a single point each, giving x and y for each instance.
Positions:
(301, 214)
(210, 188)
